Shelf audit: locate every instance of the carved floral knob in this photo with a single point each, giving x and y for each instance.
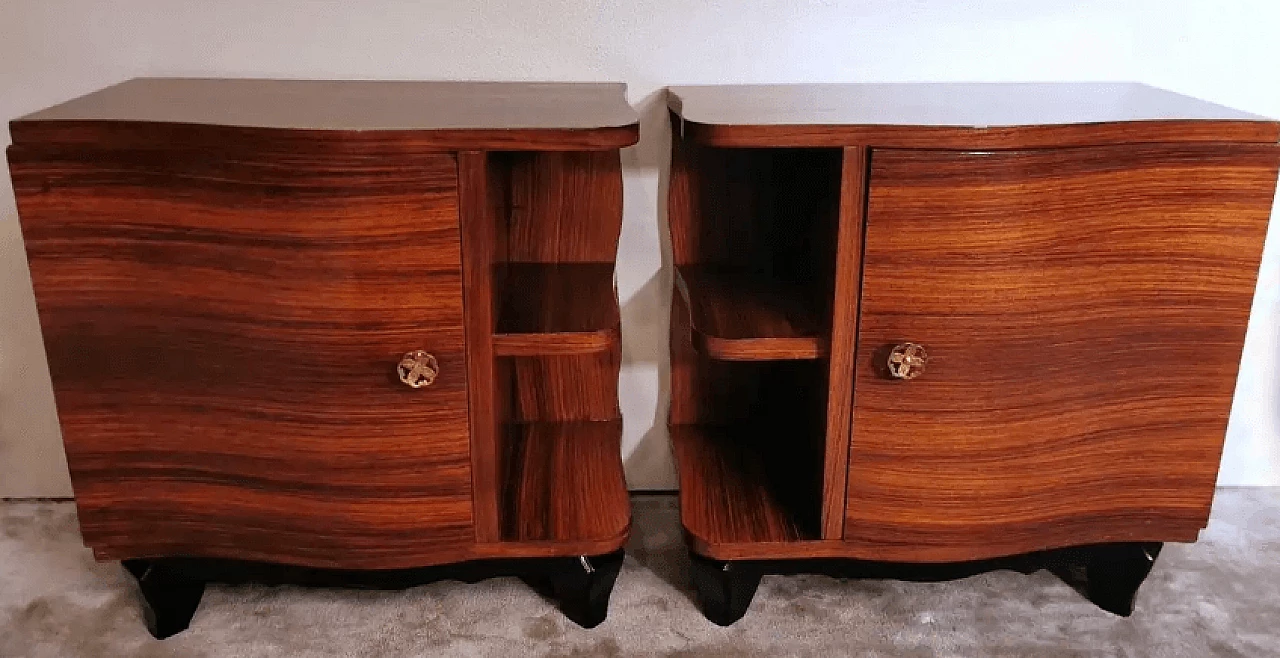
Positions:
(418, 369)
(907, 361)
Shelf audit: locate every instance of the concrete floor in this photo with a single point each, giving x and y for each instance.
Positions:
(1219, 597)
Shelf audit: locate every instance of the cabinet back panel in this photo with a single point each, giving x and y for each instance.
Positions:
(1083, 311)
(223, 328)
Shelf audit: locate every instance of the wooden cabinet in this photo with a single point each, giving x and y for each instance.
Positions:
(354, 326)
(948, 323)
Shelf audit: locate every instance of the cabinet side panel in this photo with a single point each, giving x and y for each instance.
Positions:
(685, 408)
(565, 388)
(1084, 311)
(565, 207)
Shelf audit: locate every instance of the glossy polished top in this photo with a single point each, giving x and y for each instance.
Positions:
(975, 109)
(359, 106)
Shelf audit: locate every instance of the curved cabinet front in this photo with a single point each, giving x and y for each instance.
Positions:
(224, 326)
(1082, 311)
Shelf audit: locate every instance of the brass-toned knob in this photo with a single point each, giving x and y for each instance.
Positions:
(907, 361)
(418, 369)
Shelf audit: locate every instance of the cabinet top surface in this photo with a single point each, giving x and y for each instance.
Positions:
(366, 105)
(956, 107)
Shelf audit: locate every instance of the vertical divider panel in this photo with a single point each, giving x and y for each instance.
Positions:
(479, 237)
(847, 290)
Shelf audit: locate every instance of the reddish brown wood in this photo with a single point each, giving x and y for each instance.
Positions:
(564, 216)
(844, 329)
(479, 243)
(223, 388)
(558, 309)
(725, 497)
(755, 229)
(753, 235)
(565, 207)
(563, 483)
(229, 271)
(439, 115)
(1087, 306)
(686, 384)
(955, 115)
(741, 317)
(909, 137)
(690, 378)
(557, 347)
(707, 391)
(565, 388)
(767, 212)
(1083, 310)
(747, 467)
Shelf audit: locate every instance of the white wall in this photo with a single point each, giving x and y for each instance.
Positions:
(51, 51)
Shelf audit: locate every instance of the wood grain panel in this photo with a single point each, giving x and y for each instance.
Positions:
(223, 327)
(480, 243)
(955, 115)
(563, 483)
(686, 376)
(1084, 312)
(723, 392)
(1020, 137)
(564, 217)
(751, 467)
(766, 212)
(754, 239)
(443, 115)
(752, 235)
(565, 387)
(844, 331)
(725, 495)
(740, 317)
(557, 309)
(565, 207)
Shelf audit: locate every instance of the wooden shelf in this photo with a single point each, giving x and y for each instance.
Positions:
(734, 316)
(725, 494)
(557, 308)
(563, 483)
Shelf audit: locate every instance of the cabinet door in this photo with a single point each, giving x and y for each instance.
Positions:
(223, 328)
(1082, 311)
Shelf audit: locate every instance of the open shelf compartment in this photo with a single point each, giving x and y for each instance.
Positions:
(563, 482)
(546, 420)
(556, 308)
(749, 443)
(754, 241)
(727, 495)
(738, 316)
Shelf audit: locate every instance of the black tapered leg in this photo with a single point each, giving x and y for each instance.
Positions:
(169, 598)
(1114, 573)
(725, 589)
(136, 567)
(582, 586)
